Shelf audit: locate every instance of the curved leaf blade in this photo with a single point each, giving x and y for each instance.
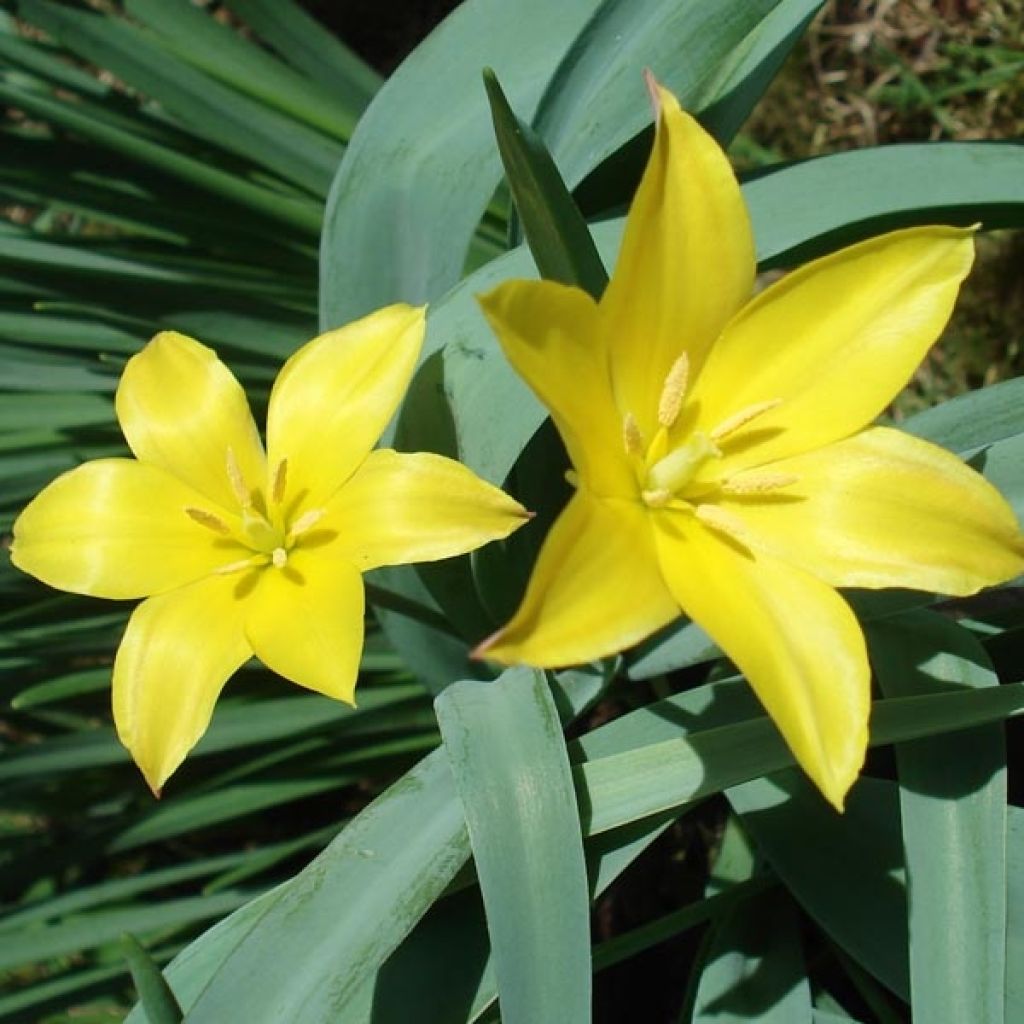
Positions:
(504, 742)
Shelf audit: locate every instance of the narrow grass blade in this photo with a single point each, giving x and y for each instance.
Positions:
(200, 39)
(201, 105)
(302, 41)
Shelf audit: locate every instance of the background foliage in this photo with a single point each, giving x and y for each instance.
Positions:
(166, 165)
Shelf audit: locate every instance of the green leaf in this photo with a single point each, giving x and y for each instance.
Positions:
(953, 803)
(195, 36)
(555, 230)
(380, 244)
(154, 992)
(1015, 914)
(415, 837)
(96, 928)
(192, 970)
(971, 421)
(754, 969)
(202, 105)
(596, 101)
(297, 213)
(505, 745)
(846, 870)
(746, 73)
(806, 209)
(309, 47)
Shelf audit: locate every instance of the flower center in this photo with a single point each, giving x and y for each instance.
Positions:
(668, 469)
(266, 532)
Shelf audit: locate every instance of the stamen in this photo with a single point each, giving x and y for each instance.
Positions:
(237, 480)
(658, 498)
(674, 390)
(279, 557)
(306, 521)
(724, 522)
(280, 480)
(740, 419)
(245, 563)
(632, 437)
(209, 520)
(758, 483)
(572, 478)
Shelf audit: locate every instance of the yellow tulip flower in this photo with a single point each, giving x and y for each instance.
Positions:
(724, 461)
(240, 551)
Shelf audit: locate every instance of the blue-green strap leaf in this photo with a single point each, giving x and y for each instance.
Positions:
(953, 804)
(505, 745)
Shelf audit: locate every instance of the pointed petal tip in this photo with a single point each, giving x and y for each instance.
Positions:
(483, 650)
(654, 91)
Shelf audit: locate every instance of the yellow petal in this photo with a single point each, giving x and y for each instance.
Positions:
(550, 334)
(833, 342)
(596, 589)
(686, 264)
(400, 508)
(791, 635)
(179, 650)
(884, 509)
(117, 528)
(181, 409)
(305, 621)
(334, 397)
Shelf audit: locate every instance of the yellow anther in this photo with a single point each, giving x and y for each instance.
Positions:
(758, 483)
(723, 522)
(673, 391)
(237, 480)
(306, 521)
(740, 419)
(572, 478)
(280, 481)
(279, 557)
(632, 437)
(209, 520)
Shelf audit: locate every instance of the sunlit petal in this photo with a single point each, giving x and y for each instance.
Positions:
(884, 509)
(791, 635)
(117, 528)
(177, 653)
(686, 264)
(181, 409)
(832, 343)
(305, 621)
(596, 589)
(550, 334)
(398, 508)
(334, 397)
